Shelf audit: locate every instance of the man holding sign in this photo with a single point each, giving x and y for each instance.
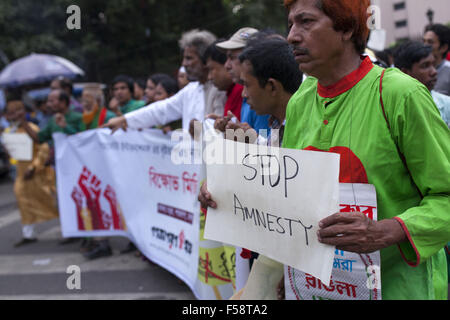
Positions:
(266, 219)
(34, 186)
(389, 134)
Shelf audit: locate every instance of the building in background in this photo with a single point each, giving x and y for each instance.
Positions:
(407, 19)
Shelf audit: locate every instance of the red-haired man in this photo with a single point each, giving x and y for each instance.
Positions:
(397, 143)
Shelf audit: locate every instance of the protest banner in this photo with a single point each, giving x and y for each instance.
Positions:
(270, 200)
(355, 276)
(237, 268)
(216, 266)
(126, 185)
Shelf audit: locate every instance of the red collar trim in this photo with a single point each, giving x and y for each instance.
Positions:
(347, 82)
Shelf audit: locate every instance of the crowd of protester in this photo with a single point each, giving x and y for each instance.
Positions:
(253, 81)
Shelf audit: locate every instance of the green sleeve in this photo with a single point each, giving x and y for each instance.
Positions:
(109, 116)
(424, 140)
(74, 124)
(71, 129)
(137, 105)
(292, 127)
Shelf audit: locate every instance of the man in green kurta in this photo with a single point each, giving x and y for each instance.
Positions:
(389, 133)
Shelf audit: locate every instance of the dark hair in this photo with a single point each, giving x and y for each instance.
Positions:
(126, 79)
(263, 35)
(347, 15)
(63, 96)
(65, 83)
(213, 53)
(409, 53)
(382, 58)
(443, 34)
(157, 77)
(168, 83)
(273, 58)
(140, 82)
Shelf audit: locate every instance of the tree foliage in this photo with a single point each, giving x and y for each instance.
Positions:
(135, 37)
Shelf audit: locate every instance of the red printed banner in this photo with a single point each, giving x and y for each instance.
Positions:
(172, 183)
(92, 213)
(354, 276)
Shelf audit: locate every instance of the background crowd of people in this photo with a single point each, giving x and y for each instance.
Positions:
(244, 82)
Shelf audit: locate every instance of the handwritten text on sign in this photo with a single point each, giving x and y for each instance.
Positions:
(271, 202)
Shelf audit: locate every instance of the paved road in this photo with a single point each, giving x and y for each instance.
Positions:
(38, 270)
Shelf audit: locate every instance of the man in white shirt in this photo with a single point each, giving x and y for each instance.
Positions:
(193, 102)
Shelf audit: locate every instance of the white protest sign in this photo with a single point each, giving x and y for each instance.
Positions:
(19, 146)
(271, 201)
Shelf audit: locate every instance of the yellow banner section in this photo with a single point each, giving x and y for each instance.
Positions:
(216, 265)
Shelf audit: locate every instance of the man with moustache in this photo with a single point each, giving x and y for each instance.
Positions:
(388, 132)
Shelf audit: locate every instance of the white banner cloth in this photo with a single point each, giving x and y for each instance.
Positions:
(126, 185)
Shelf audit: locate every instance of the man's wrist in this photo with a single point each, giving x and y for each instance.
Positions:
(393, 232)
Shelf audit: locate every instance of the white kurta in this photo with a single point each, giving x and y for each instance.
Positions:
(187, 104)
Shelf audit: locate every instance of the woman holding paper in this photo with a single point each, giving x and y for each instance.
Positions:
(34, 186)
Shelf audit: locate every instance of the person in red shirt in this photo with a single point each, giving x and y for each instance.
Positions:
(222, 80)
